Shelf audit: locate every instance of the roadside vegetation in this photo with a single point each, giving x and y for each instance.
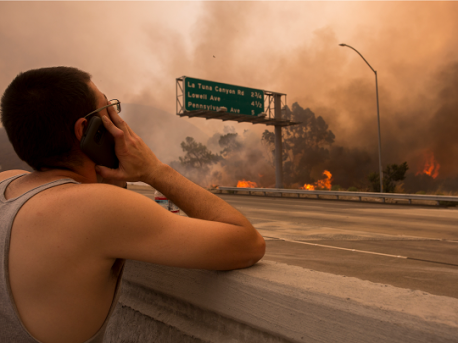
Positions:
(308, 150)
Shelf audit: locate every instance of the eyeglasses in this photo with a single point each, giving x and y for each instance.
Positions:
(113, 102)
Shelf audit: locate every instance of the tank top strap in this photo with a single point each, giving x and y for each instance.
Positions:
(6, 182)
(30, 193)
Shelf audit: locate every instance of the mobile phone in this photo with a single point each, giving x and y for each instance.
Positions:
(98, 144)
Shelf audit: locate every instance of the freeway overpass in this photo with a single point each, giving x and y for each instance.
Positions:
(333, 272)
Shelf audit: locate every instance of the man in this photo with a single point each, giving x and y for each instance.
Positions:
(64, 236)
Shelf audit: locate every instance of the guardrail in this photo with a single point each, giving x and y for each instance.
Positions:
(339, 194)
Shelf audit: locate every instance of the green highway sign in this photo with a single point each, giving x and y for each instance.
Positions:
(211, 96)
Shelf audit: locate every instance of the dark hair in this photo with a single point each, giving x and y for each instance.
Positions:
(39, 110)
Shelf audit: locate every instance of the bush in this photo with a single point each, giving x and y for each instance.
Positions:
(399, 187)
(353, 189)
(391, 175)
(335, 188)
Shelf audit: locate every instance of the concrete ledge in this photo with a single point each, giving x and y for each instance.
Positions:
(273, 302)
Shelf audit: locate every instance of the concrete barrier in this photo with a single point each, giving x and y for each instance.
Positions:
(421, 199)
(273, 302)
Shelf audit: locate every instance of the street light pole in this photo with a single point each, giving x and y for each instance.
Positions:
(378, 118)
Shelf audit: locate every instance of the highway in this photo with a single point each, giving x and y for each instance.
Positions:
(427, 235)
(411, 247)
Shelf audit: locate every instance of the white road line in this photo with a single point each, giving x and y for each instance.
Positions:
(365, 252)
(339, 248)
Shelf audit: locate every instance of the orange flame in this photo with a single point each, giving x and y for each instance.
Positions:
(246, 184)
(308, 187)
(431, 167)
(323, 183)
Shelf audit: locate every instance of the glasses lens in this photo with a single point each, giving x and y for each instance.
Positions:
(117, 105)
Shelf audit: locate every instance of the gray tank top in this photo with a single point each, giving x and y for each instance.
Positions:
(11, 326)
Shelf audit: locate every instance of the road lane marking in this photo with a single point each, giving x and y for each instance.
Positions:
(339, 248)
(362, 251)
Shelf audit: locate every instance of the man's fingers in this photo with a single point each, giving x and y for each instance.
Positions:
(112, 128)
(119, 122)
(116, 119)
(131, 132)
(118, 135)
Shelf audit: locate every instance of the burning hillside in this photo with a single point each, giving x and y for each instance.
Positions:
(430, 167)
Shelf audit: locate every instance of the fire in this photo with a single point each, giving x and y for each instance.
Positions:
(246, 184)
(431, 167)
(308, 187)
(323, 183)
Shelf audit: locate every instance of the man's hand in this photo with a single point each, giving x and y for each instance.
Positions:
(136, 160)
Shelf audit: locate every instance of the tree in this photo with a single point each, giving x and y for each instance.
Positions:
(196, 162)
(392, 174)
(304, 145)
(197, 155)
(229, 142)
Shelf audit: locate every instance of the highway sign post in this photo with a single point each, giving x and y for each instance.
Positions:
(215, 100)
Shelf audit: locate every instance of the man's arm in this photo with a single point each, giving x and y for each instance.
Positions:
(216, 236)
(195, 201)
(127, 225)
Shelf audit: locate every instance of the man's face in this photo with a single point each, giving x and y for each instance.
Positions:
(103, 101)
(100, 97)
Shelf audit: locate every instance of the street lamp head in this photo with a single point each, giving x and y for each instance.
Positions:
(343, 44)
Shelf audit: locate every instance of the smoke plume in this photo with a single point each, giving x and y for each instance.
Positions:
(135, 51)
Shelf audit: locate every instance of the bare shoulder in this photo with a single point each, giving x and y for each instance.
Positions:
(108, 205)
(10, 173)
(107, 197)
(93, 212)
(105, 202)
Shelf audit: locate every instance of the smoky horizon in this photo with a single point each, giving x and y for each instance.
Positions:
(137, 51)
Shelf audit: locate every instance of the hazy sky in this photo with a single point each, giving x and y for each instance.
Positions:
(136, 50)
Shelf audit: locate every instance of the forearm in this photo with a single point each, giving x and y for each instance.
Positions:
(195, 201)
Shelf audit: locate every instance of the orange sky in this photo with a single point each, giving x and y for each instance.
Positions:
(136, 50)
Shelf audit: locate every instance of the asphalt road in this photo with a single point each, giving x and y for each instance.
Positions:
(379, 233)
(412, 247)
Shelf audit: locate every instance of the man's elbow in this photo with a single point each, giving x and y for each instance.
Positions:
(248, 253)
(261, 248)
(258, 250)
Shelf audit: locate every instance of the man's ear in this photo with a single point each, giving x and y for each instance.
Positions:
(80, 126)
